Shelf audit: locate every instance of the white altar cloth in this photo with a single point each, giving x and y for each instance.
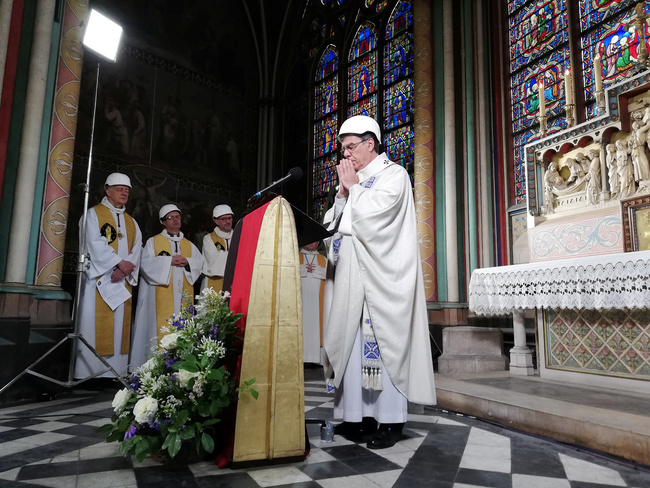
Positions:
(611, 281)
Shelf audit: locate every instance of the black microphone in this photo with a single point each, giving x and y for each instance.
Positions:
(294, 174)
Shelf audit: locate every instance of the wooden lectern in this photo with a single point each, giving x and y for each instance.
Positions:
(264, 282)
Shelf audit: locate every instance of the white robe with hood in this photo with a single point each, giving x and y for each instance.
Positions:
(158, 271)
(378, 263)
(103, 259)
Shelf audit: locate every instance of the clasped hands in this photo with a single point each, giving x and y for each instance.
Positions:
(347, 177)
(123, 269)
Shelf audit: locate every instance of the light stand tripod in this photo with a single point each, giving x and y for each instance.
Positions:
(107, 33)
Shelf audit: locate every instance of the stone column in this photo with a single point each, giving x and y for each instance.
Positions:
(6, 6)
(424, 177)
(30, 143)
(521, 357)
(451, 210)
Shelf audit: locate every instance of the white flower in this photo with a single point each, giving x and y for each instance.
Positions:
(169, 341)
(121, 399)
(145, 409)
(148, 366)
(183, 376)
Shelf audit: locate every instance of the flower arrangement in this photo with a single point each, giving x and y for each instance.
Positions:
(177, 396)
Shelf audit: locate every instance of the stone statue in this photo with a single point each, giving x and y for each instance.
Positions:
(625, 169)
(576, 168)
(552, 180)
(593, 176)
(637, 150)
(612, 172)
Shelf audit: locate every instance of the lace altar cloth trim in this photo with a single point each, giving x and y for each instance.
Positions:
(612, 281)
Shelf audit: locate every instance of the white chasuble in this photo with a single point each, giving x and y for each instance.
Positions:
(378, 264)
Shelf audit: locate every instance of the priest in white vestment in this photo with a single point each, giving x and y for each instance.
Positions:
(113, 243)
(216, 246)
(170, 266)
(313, 266)
(376, 323)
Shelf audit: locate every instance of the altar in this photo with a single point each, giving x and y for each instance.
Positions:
(583, 261)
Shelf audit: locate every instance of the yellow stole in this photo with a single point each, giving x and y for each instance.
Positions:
(216, 282)
(165, 293)
(322, 261)
(104, 316)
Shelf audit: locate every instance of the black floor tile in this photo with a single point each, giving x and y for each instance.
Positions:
(157, 476)
(230, 480)
(303, 484)
(82, 430)
(327, 469)
(104, 464)
(407, 481)
(348, 451)
(483, 478)
(535, 458)
(12, 435)
(370, 464)
(50, 470)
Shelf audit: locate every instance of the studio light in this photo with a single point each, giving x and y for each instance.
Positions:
(102, 35)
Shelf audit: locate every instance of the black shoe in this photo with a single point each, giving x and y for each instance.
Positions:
(357, 430)
(386, 436)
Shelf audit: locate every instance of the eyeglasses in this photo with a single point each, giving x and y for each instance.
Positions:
(224, 218)
(173, 217)
(351, 147)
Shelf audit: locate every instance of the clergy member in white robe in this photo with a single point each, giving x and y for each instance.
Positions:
(376, 324)
(113, 242)
(215, 248)
(170, 266)
(313, 266)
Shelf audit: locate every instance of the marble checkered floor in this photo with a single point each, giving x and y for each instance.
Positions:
(55, 444)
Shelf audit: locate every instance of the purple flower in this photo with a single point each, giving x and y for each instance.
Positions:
(135, 382)
(191, 310)
(131, 432)
(154, 424)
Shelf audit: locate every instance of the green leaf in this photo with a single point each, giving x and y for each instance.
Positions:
(181, 418)
(254, 393)
(204, 410)
(116, 435)
(175, 445)
(250, 382)
(207, 442)
(210, 422)
(188, 433)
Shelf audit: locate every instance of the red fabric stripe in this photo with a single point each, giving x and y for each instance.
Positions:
(241, 281)
(6, 100)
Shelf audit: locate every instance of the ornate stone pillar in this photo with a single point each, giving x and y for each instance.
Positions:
(521, 357)
(56, 201)
(423, 142)
(30, 143)
(451, 210)
(5, 25)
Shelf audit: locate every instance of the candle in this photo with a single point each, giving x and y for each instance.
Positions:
(598, 73)
(542, 100)
(568, 87)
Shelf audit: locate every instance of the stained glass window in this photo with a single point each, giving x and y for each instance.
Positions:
(539, 53)
(325, 127)
(378, 82)
(608, 31)
(398, 80)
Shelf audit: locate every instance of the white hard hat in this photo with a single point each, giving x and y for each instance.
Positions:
(220, 210)
(359, 125)
(165, 209)
(117, 179)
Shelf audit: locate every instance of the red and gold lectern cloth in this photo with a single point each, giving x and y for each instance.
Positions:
(266, 289)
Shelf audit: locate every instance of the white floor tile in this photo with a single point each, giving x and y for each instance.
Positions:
(107, 479)
(103, 450)
(579, 470)
(49, 426)
(9, 475)
(527, 481)
(278, 476)
(485, 438)
(487, 451)
(485, 464)
(385, 479)
(348, 482)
